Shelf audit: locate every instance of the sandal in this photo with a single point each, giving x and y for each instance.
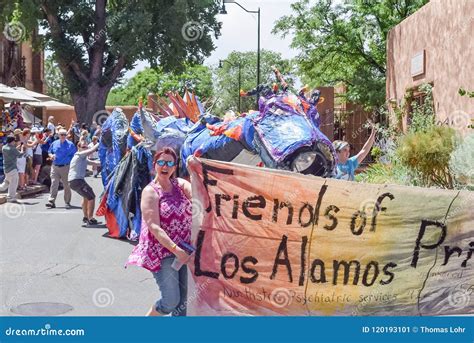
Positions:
(92, 221)
(50, 204)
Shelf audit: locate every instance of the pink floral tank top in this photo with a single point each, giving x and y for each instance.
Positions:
(175, 219)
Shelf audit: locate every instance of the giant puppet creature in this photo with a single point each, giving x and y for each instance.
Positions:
(284, 133)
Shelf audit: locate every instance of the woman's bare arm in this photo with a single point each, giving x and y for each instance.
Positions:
(151, 216)
(186, 187)
(195, 168)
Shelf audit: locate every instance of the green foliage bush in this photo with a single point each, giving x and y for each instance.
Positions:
(462, 163)
(423, 115)
(428, 153)
(388, 173)
(376, 152)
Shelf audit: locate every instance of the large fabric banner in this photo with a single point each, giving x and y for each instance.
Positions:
(277, 243)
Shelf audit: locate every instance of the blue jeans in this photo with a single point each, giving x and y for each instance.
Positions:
(174, 288)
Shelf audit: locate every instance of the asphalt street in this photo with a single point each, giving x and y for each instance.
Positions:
(50, 264)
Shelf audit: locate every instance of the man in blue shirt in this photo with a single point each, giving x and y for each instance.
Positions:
(61, 153)
(346, 166)
(48, 139)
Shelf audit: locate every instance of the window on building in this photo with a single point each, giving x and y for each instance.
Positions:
(421, 101)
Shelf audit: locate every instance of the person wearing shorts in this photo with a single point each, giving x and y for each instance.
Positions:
(21, 163)
(37, 154)
(27, 172)
(76, 179)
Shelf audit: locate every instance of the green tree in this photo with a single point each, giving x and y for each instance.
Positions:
(345, 42)
(227, 78)
(197, 78)
(56, 85)
(95, 42)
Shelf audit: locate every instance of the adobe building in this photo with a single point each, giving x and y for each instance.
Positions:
(21, 66)
(435, 46)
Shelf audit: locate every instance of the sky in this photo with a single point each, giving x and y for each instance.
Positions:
(239, 31)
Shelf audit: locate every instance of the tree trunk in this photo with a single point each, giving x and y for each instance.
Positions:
(88, 104)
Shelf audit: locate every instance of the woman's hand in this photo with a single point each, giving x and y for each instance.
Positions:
(181, 255)
(193, 164)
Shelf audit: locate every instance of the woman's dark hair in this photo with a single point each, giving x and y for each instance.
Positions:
(165, 151)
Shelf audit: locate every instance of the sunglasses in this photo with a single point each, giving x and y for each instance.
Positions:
(170, 164)
(62, 134)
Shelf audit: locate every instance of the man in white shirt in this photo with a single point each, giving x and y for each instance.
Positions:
(51, 125)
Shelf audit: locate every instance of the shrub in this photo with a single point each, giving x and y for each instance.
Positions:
(423, 116)
(387, 173)
(376, 153)
(428, 153)
(462, 163)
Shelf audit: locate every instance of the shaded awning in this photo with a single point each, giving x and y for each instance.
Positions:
(47, 104)
(9, 94)
(28, 97)
(36, 95)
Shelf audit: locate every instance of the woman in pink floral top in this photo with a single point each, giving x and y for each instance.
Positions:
(166, 222)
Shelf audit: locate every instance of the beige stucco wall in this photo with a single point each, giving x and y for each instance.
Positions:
(445, 30)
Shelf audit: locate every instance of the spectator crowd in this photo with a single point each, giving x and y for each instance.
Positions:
(51, 155)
